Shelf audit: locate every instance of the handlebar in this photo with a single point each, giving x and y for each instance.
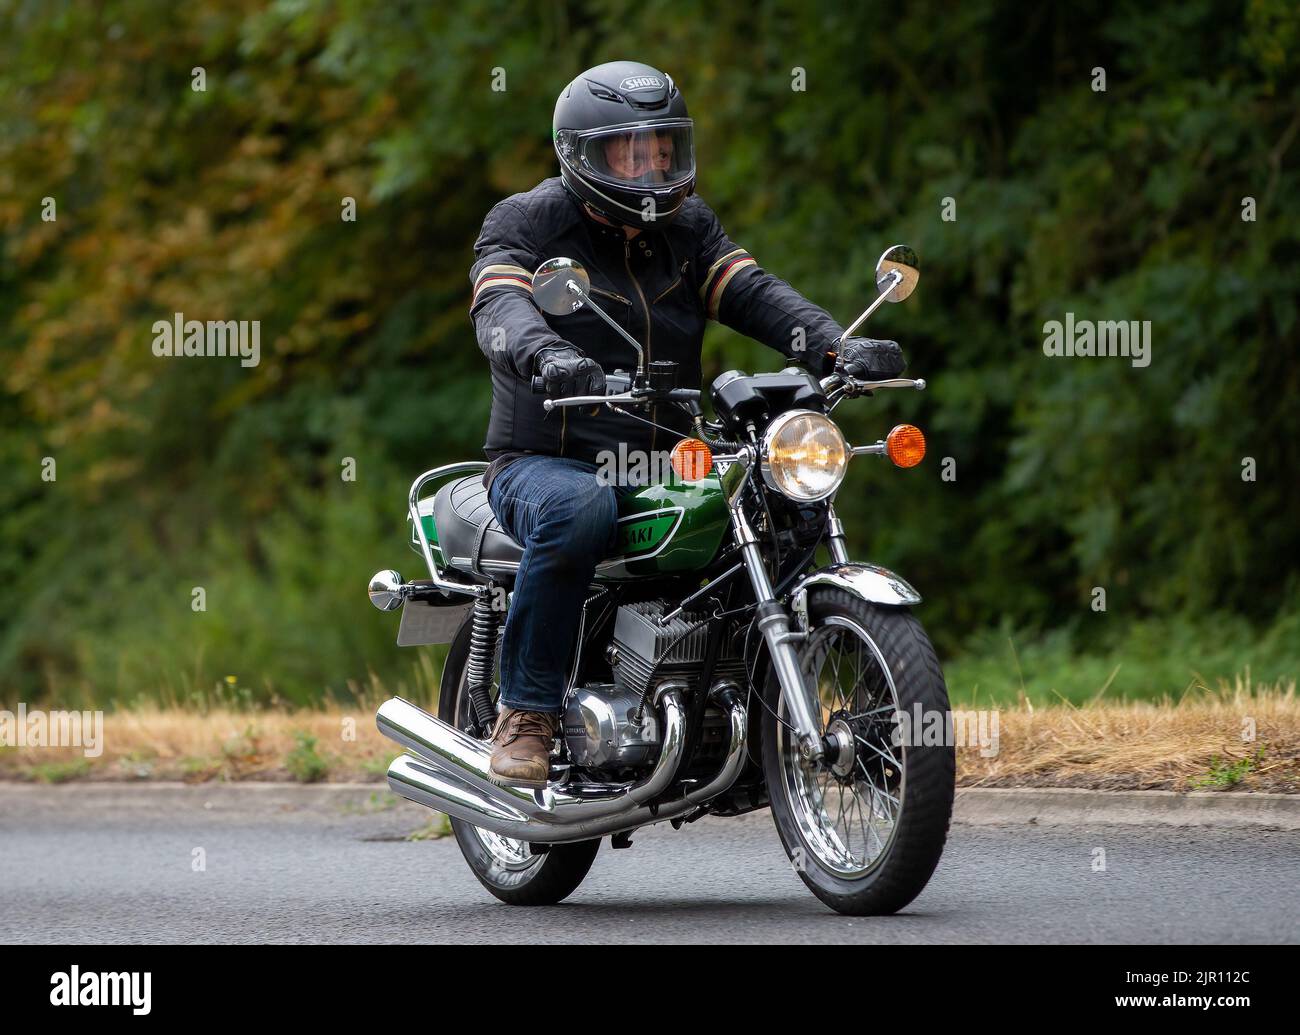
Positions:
(615, 382)
(837, 386)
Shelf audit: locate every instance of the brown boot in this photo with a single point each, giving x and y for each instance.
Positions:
(522, 747)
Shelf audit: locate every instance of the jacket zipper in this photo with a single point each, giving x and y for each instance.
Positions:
(610, 294)
(667, 290)
(627, 261)
(681, 273)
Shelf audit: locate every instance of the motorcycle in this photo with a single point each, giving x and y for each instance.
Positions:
(718, 668)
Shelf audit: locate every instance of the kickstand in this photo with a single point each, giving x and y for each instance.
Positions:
(623, 840)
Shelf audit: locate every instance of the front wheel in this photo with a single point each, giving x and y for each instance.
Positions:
(507, 867)
(864, 827)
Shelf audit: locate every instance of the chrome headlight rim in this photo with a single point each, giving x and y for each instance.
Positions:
(770, 478)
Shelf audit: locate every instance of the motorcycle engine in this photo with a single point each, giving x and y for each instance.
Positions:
(605, 726)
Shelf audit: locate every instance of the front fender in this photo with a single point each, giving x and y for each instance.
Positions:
(869, 581)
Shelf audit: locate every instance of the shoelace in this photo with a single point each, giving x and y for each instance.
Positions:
(526, 724)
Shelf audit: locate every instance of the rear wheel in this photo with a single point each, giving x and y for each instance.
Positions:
(507, 867)
(865, 826)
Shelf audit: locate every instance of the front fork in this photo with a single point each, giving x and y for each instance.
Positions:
(774, 623)
(835, 537)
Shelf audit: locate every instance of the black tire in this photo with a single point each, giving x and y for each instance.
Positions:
(534, 879)
(904, 862)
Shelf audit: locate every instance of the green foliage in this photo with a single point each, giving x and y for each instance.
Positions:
(60, 772)
(434, 830)
(1145, 660)
(225, 204)
(305, 763)
(1225, 773)
(243, 749)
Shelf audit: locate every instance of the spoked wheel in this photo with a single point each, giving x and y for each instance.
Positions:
(865, 825)
(507, 867)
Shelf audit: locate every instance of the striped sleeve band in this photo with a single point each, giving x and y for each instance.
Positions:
(720, 275)
(501, 275)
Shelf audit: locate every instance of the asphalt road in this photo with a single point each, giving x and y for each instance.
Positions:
(110, 868)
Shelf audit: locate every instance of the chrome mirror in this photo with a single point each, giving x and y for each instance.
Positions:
(560, 286)
(897, 272)
(386, 590)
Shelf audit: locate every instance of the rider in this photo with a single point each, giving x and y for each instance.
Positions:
(624, 206)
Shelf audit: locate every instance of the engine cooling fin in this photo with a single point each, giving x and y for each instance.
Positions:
(646, 652)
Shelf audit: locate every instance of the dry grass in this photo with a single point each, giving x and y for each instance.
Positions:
(1240, 737)
(168, 744)
(1197, 742)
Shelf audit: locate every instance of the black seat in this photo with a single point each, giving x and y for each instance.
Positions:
(469, 536)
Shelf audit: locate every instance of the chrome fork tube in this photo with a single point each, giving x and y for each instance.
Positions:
(774, 624)
(835, 541)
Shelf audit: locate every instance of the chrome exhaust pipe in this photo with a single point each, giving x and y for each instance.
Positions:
(450, 776)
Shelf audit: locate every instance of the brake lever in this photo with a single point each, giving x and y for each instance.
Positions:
(637, 396)
(853, 386)
(893, 382)
(634, 397)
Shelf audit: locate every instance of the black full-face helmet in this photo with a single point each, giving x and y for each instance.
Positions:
(625, 143)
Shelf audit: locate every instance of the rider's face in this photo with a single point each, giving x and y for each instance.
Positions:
(633, 156)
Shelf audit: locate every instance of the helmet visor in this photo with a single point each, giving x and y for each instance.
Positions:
(639, 155)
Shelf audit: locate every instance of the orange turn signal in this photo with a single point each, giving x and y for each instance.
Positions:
(905, 445)
(691, 459)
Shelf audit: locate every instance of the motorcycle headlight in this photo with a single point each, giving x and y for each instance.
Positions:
(804, 455)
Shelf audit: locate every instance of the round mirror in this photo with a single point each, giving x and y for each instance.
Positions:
(553, 286)
(902, 260)
(386, 590)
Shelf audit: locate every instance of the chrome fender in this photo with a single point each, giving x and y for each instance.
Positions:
(869, 581)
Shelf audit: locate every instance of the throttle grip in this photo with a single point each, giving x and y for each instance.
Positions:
(539, 386)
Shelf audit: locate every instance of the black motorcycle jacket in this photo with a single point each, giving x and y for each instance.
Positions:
(662, 286)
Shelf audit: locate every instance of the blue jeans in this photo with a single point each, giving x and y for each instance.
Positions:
(566, 519)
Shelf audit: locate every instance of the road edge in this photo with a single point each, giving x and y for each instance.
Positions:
(1043, 806)
(1057, 806)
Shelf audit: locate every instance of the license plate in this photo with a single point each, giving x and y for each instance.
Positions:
(424, 623)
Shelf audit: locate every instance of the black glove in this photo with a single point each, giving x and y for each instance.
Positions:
(566, 372)
(869, 359)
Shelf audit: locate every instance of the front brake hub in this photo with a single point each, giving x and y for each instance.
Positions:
(840, 753)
